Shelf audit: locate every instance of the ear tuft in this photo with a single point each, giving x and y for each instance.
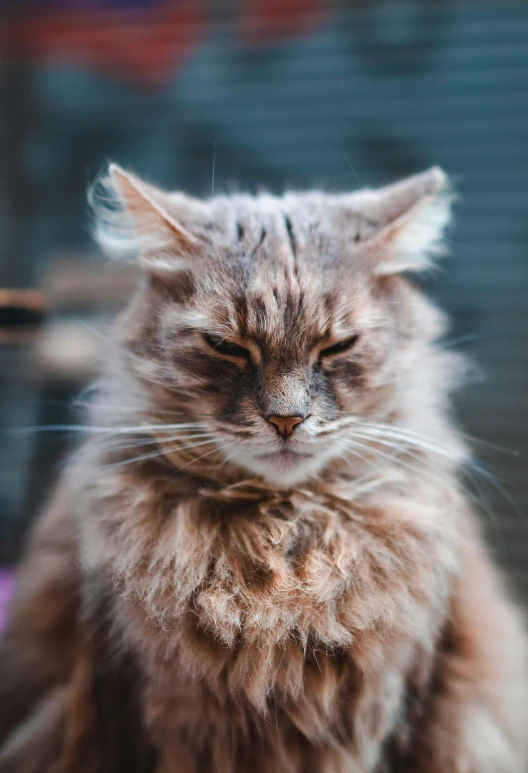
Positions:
(410, 220)
(415, 236)
(131, 220)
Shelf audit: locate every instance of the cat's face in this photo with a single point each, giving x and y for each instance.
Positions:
(279, 323)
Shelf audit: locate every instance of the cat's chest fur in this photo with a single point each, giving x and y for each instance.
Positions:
(252, 596)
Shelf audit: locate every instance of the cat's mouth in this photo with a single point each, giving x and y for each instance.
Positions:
(281, 465)
(284, 453)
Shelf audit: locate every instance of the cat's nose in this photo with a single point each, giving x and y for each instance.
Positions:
(285, 424)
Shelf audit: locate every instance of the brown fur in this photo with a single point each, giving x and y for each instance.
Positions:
(246, 602)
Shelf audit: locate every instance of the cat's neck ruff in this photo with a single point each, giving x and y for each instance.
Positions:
(208, 577)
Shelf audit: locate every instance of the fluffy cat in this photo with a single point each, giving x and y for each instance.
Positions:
(261, 558)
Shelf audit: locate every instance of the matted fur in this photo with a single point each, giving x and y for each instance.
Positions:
(313, 603)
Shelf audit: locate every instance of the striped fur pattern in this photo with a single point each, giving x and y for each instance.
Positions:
(217, 588)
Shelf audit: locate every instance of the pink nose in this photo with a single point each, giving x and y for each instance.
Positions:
(285, 424)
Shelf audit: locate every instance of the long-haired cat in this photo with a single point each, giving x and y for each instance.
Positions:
(261, 558)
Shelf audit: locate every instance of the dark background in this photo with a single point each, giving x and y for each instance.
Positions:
(291, 93)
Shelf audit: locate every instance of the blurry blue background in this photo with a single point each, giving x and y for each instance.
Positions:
(290, 93)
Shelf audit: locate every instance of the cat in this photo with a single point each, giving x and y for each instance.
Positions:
(261, 557)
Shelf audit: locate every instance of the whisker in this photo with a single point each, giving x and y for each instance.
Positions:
(408, 436)
(123, 446)
(401, 446)
(424, 468)
(163, 452)
(94, 429)
(388, 435)
(218, 448)
(354, 446)
(459, 340)
(489, 444)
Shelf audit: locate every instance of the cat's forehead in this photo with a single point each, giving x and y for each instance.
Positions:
(285, 301)
(288, 241)
(284, 317)
(292, 217)
(275, 270)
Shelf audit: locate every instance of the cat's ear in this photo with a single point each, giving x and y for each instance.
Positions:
(406, 222)
(134, 219)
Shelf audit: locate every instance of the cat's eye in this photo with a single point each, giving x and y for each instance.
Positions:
(225, 347)
(339, 348)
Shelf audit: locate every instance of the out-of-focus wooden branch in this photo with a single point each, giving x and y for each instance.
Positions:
(22, 315)
(62, 326)
(87, 284)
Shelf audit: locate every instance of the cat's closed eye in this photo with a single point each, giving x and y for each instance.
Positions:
(341, 347)
(225, 347)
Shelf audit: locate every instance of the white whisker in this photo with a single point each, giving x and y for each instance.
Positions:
(94, 429)
(408, 442)
(218, 448)
(124, 446)
(163, 452)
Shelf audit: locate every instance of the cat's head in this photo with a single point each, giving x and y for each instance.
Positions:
(280, 325)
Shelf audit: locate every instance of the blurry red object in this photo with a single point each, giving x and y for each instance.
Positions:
(147, 43)
(265, 20)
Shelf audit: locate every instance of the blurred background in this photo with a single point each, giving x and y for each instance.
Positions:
(280, 93)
